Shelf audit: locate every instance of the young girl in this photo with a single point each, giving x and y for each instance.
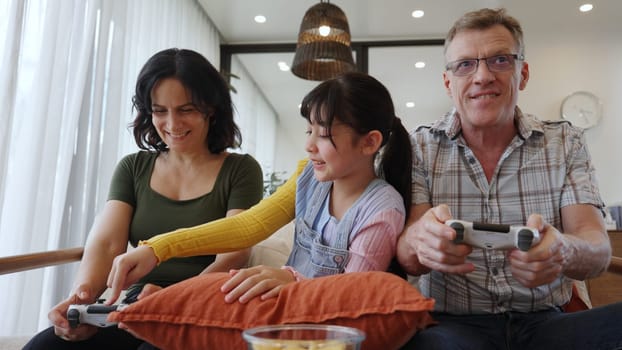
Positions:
(347, 217)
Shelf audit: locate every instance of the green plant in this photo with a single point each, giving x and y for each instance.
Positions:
(228, 76)
(272, 180)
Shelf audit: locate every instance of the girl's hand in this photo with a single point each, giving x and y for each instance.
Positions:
(263, 281)
(128, 268)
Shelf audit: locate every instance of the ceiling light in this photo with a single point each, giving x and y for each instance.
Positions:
(410, 104)
(586, 7)
(417, 13)
(419, 64)
(324, 30)
(260, 19)
(283, 66)
(323, 49)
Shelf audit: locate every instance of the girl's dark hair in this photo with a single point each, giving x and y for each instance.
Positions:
(364, 104)
(207, 87)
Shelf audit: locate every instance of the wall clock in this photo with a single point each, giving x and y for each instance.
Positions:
(582, 109)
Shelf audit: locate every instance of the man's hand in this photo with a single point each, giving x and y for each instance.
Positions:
(128, 268)
(543, 263)
(58, 316)
(246, 284)
(427, 244)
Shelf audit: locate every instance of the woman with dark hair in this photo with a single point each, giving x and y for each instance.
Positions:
(207, 91)
(183, 176)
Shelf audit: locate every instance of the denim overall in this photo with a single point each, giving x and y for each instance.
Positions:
(309, 255)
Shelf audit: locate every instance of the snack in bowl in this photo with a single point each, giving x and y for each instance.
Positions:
(303, 337)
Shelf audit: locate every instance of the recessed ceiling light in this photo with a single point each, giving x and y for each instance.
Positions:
(283, 66)
(417, 13)
(410, 104)
(420, 64)
(260, 19)
(586, 7)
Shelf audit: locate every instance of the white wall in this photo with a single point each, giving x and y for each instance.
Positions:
(289, 149)
(566, 59)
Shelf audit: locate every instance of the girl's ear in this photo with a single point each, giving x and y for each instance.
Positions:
(371, 142)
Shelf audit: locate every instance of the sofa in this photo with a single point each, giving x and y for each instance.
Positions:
(272, 252)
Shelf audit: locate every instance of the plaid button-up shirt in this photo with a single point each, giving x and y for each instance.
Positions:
(546, 167)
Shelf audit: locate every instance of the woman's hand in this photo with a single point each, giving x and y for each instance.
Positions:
(246, 284)
(58, 316)
(128, 268)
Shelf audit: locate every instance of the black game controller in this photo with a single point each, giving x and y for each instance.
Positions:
(494, 236)
(93, 314)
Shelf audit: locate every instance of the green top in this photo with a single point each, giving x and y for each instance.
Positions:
(239, 185)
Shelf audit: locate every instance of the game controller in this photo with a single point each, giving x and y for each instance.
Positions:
(93, 314)
(494, 236)
(96, 314)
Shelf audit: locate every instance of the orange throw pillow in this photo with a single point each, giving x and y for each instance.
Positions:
(192, 314)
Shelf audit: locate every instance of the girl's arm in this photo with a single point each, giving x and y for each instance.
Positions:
(223, 235)
(375, 245)
(232, 233)
(373, 248)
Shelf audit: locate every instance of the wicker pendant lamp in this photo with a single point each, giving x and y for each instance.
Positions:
(323, 48)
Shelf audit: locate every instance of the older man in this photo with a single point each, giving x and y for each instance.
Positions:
(487, 161)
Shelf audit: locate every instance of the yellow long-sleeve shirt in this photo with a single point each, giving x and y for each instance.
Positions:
(232, 233)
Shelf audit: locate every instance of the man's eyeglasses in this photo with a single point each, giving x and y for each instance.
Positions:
(498, 63)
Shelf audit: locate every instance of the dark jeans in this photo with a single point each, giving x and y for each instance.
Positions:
(110, 338)
(595, 329)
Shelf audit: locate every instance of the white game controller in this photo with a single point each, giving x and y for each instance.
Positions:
(494, 236)
(93, 314)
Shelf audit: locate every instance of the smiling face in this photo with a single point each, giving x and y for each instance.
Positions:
(177, 120)
(344, 157)
(485, 99)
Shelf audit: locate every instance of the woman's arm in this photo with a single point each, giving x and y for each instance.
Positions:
(108, 238)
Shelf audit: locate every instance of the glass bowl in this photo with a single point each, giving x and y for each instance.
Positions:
(303, 337)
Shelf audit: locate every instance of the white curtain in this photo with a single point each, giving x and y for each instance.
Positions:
(255, 116)
(68, 71)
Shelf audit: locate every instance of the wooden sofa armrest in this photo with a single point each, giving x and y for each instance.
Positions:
(31, 261)
(615, 266)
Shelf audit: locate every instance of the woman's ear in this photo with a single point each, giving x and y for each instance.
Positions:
(372, 142)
